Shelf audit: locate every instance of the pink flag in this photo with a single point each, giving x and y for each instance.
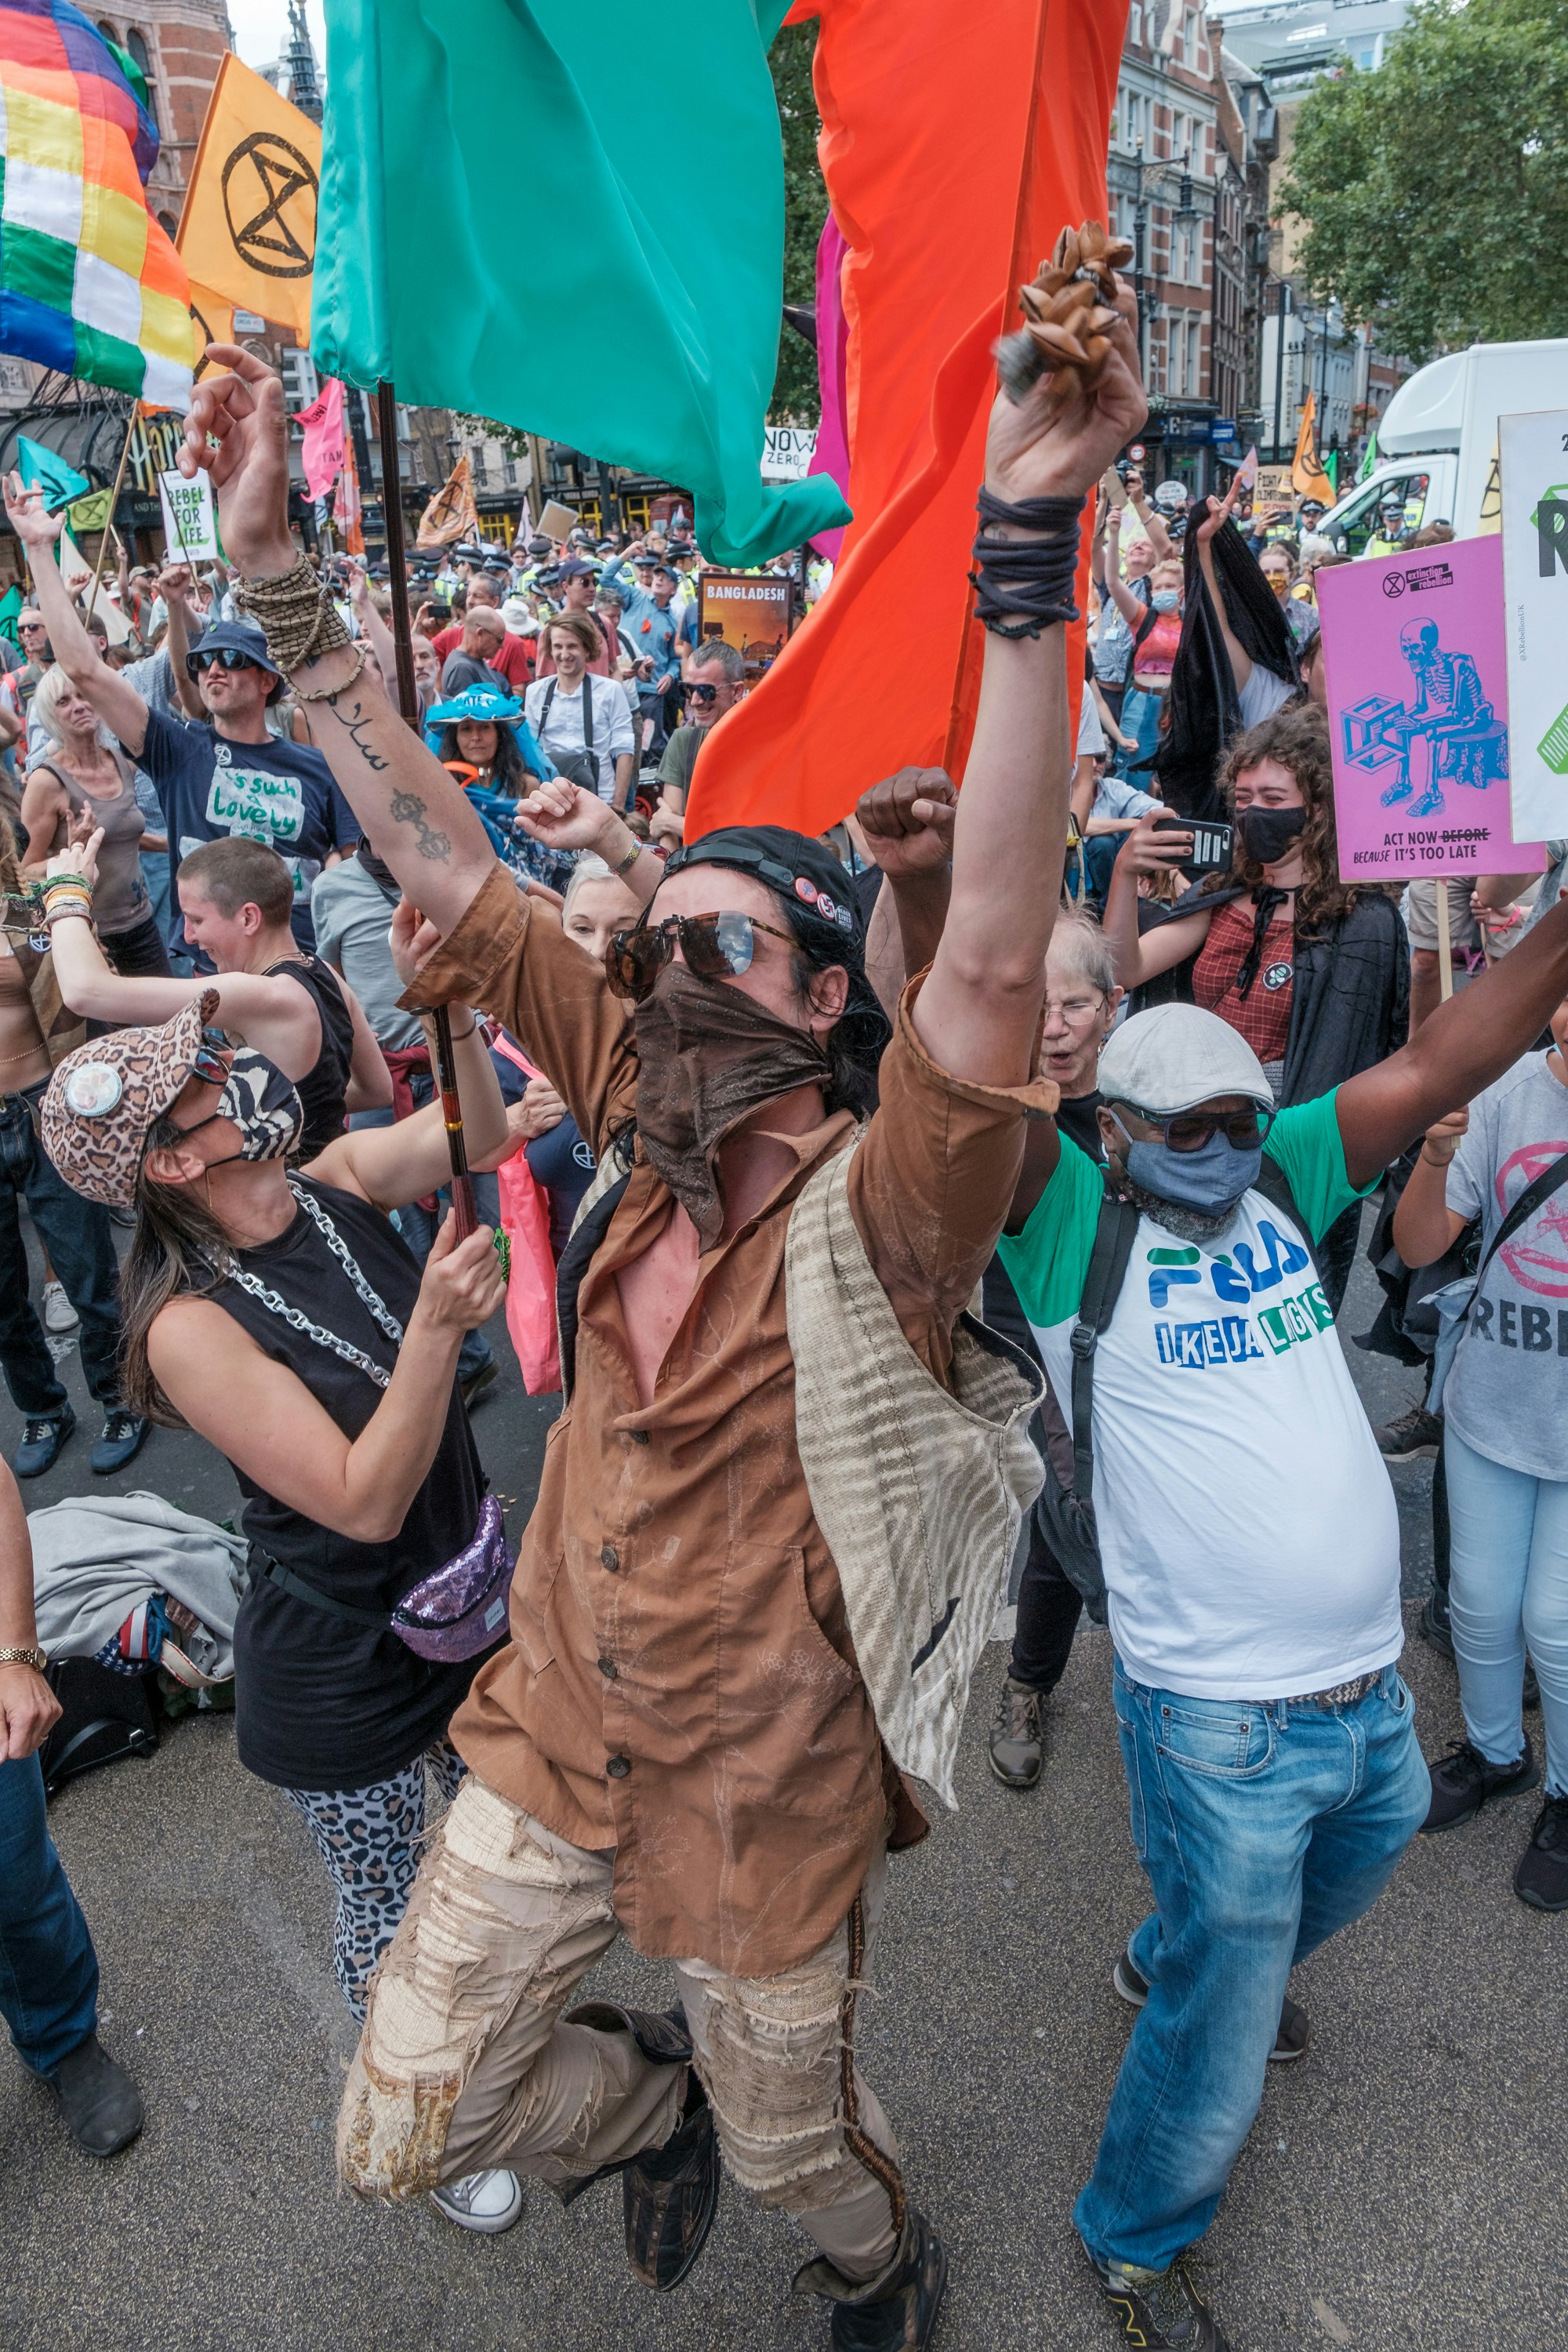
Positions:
(323, 451)
(832, 336)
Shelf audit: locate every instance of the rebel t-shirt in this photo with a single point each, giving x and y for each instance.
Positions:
(1247, 1527)
(281, 793)
(1506, 1390)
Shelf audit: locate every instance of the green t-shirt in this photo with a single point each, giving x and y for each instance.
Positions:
(680, 757)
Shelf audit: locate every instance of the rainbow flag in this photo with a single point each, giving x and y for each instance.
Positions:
(90, 284)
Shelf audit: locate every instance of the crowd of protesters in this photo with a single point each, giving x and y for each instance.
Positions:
(1106, 1034)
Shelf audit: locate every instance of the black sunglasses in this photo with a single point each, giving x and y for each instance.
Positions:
(703, 693)
(228, 656)
(1189, 1130)
(716, 946)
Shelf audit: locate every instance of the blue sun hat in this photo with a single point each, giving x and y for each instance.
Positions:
(482, 703)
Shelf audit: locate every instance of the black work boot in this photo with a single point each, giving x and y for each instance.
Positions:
(895, 2313)
(1161, 2310)
(671, 2194)
(1017, 1744)
(101, 2104)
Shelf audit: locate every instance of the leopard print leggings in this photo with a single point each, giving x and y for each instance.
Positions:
(370, 1839)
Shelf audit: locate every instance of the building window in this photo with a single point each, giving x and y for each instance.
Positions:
(1194, 361)
(1135, 24)
(136, 43)
(168, 223)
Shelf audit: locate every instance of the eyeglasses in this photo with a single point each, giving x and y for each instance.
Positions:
(703, 693)
(228, 656)
(1074, 1008)
(210, 1067)
(1190, 1130)
(32, 629)
(716, 946)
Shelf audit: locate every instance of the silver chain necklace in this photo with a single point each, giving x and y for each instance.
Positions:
(255, 1289)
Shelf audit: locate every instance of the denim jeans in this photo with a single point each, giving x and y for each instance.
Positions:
(1509, 1587)
(1140, 715)
(1264, 1827)
(80, 1243)
(48, 1970)
(419, 1229)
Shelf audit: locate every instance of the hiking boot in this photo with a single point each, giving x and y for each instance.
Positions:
(487, 2202)
(101, 2104)
(1433, 1623)
(1541, 1878)
(124, 1435)
(895, 2313)
(1295, 2026)
(42, 1439)
(1464, 1782)
(1413, 1437)
(1018, 1736)
(1161, 2308)
(669, 2194)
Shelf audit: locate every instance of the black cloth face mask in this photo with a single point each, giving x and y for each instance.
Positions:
(1267, 833)
(709, 1056)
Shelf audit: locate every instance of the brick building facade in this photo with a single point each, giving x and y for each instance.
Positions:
(179, 46)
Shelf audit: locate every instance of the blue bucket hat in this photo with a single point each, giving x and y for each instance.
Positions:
(233, 637)
(477, 703)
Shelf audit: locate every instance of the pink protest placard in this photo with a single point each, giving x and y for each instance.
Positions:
(1415, 658)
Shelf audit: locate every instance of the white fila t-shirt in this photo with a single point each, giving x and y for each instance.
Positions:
(1247, 1527)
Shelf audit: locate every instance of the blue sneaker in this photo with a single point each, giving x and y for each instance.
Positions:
(124, 1435)
(41, 1441)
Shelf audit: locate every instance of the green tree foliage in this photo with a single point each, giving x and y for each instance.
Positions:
(796, 400)
(1436, 190)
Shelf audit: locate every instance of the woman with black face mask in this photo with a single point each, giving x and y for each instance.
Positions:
(1314, 974)
(276, 1310)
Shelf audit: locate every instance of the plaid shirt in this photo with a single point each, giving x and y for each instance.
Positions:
(1263, 1015)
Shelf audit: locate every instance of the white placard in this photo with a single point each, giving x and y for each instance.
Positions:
(1534, 452)
(190, 519)
(787, 452)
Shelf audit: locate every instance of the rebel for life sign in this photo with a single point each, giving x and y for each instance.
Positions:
(1418, 715)
(190, 517)
(1534, 455)
(752, 613)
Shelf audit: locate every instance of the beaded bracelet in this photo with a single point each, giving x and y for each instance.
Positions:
(297, 613)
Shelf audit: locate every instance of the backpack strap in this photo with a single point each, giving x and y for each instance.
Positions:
(1114, 1235)
(1532, 1198)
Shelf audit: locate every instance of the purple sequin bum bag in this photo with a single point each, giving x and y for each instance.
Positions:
(451, 1614)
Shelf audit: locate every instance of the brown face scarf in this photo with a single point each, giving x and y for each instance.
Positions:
(710, 1055)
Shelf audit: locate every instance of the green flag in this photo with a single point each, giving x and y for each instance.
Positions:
(1369, 458)
(47, 469)
(10, 605)
(92, 513)
(636, 317)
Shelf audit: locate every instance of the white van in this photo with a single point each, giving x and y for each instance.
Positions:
(1439, 437)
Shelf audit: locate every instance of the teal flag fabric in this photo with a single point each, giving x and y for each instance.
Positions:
(45, 469)
(501, 233)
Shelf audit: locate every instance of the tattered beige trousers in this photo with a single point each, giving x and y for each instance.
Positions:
(464, 2061)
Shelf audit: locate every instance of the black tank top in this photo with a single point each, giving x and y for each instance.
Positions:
(320, 1702)
(323, 1087)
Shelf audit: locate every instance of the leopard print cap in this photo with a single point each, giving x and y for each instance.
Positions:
(104, 1098)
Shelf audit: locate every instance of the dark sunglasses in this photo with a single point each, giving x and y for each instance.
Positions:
(210, 1067)
(1189, 1130)
(32, 629)
(703, 693)
(228, 656)
(716, 946)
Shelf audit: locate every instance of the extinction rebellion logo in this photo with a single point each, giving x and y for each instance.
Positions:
(1424, 575)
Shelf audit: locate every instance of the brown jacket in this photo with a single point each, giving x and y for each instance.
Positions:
(680, 1684)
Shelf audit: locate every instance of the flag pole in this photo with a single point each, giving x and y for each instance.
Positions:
(464, 1212)
(109, 521)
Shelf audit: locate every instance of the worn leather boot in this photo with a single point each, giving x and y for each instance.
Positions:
(895, 2313)
(671, 2194)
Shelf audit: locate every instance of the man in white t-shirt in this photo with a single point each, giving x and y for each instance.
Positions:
(1250, 1548)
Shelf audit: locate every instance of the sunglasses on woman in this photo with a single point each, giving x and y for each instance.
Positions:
(716, 946)
(1191, 1129)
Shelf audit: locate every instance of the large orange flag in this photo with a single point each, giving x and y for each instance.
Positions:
(1308, 478)
(959, 137)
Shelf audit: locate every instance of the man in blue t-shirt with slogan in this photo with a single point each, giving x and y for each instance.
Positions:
(1249, 1541)
(221, 775)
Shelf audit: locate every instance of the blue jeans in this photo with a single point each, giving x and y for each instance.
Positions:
(1264, 1827)
(1140, 715)
(48, 1970)
(418, 1228)
(1509, 1535)
(80, 1242)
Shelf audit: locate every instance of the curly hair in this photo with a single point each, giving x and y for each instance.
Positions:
(1296, 738)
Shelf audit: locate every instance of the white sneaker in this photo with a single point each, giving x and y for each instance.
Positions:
(489, 2201)
(59, 1315)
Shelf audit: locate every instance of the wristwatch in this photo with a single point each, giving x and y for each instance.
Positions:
(34, 1657)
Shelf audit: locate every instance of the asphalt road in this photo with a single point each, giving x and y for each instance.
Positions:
(1401, 2188)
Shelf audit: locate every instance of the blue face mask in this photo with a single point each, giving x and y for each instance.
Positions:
(1211, 1180)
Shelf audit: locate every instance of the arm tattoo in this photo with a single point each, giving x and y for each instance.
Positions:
(356, 726)
(408, 808)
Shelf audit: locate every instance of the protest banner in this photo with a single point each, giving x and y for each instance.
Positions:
(1417, 689)
(1534, 460)
(190, 518)
(751, 613)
